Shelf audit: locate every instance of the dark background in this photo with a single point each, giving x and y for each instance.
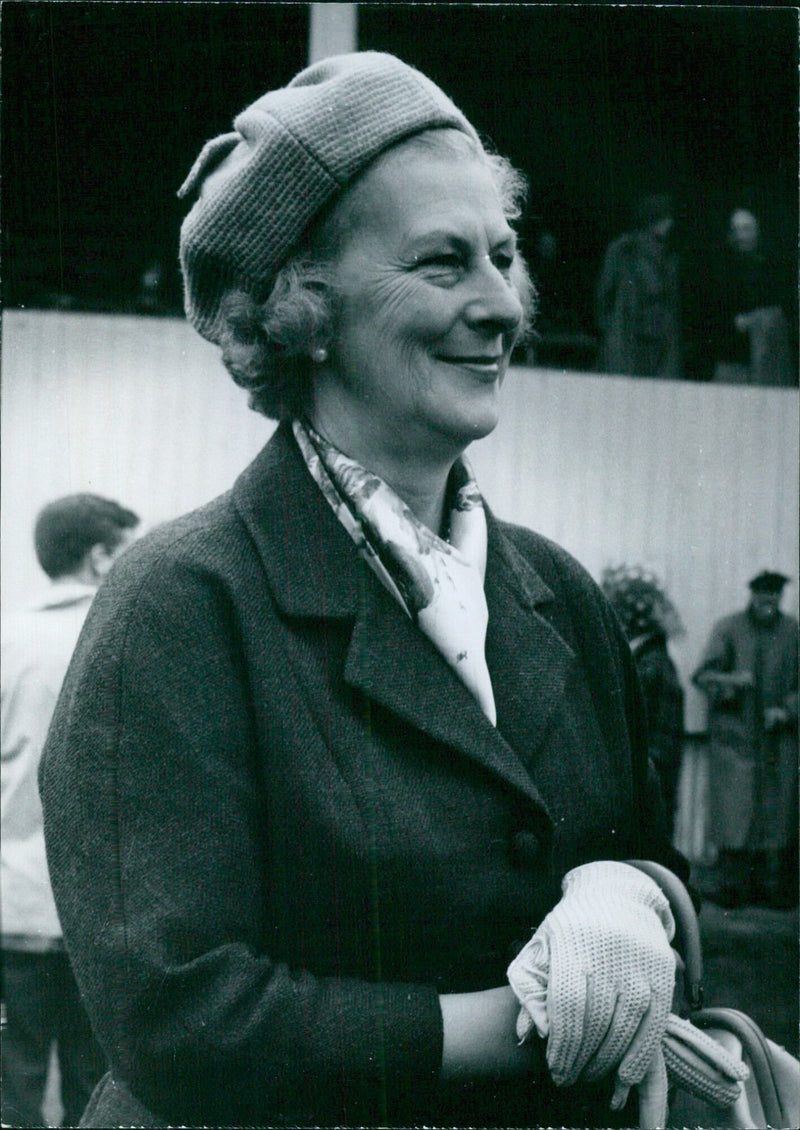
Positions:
(106, 105)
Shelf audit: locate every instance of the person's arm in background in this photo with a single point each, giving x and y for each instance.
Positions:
(663, 696)
(784, 713)
(716, 674)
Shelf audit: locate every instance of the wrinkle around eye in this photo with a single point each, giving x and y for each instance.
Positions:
(435, 263)
(443, 275)
(443, 258)
(390, 290)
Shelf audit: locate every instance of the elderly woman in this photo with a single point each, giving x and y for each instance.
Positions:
(334, 746)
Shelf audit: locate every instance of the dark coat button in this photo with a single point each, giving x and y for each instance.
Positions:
(525, 848)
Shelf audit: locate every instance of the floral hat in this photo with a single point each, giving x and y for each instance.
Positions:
(639, 600)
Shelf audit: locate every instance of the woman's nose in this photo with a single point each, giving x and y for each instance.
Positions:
(496, 303)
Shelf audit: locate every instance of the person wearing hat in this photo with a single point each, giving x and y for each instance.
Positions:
(638, 296)
(334, 746)
(749, 675)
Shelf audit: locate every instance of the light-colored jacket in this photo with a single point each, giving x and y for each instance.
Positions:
(37, 644)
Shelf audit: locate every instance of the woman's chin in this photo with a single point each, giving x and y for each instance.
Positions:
(483, 414)
(468, 427)
(485, 426)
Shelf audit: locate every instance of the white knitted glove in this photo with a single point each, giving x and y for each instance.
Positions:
(694, 1062)
(597, 977)
(697, 1063)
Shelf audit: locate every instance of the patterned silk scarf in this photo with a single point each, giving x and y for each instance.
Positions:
(439, 584)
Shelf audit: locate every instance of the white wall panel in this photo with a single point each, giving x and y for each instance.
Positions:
(697, 482)
(136, 409)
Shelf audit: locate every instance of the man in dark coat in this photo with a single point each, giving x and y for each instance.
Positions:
(749, 673)
(752, 309)
(638, 297)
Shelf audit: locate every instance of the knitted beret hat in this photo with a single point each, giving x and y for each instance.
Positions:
(292, 151)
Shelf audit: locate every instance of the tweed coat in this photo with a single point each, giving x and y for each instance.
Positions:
(753, 796)
(279, 825)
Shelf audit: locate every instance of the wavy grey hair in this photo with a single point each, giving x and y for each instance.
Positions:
(267, 345)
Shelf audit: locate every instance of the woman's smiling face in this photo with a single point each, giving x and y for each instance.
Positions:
(428, 311)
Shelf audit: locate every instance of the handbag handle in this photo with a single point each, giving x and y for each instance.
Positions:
(757, 1055)
(772, 1093)
(687, 928)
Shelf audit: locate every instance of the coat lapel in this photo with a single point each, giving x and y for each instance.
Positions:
(310, 561)
(528, 659)
(394, 663)
(314, 570)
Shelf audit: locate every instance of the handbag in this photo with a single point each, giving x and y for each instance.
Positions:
(770, 1097)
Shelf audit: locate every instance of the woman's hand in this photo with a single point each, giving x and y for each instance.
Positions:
(599, 975)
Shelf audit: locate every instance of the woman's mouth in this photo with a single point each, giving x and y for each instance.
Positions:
(483, 366)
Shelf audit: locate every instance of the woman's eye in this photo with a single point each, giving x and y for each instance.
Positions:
(444, 268)
(448, 260)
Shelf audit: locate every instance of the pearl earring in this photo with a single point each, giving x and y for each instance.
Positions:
(319, 355)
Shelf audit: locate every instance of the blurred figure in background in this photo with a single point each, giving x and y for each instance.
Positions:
(751, 308)
(150, 297)
(638, 303)
(749, 674)
(649, 620)
(77, 539)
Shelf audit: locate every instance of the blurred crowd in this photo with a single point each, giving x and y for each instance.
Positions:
(726, 313)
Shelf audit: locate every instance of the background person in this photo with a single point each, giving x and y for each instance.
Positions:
(749, 673)
(330, 746)
(649, 620)
(751, 309)
(77, 538)
(638, 297)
